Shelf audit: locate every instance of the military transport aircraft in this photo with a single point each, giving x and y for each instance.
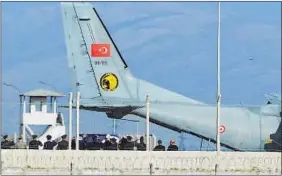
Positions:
(106, 84)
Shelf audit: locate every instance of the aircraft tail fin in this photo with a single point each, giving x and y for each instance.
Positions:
(99, 71)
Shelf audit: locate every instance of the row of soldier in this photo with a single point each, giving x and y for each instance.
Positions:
(125, 143)
(35, 143)
(87, 143)
(49, 144)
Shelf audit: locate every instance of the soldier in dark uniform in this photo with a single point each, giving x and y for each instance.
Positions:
(159, 147)
(114, 145)
(141, 146)
(96, 145)
(122, 143)
(129, 145)
(107, 144)
(172, 146)
(6, 143)
(80, 144)
(34, 144)
(49, 145)
(63, 144)
(73, 144)
(88, 142)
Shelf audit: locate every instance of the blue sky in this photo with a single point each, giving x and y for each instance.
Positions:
(177, 40)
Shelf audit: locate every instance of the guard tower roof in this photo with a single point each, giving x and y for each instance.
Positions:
(42, 93)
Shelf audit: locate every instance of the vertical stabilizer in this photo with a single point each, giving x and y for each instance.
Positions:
(98, 69)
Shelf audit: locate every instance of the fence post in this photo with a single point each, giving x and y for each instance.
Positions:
(151, 168)
(216, 169)
(71, 168)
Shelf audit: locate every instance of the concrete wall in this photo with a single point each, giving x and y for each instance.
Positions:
(136, 162)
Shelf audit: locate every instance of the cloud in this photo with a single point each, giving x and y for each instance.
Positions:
(258, 32)
(37, 15)
(28, 74)
(148, 23)
(29, 39)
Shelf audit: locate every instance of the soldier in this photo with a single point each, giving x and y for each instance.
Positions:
(141, 146)
(34, 144)
(159, 147)
(63, 144)
(113, 145)
(88, 142)
(172, 146)
(96, 145)
(20, 144)
(122, 143)
(73, 144)
(129, 145)
(107, 142)
(49, 145)
(6, 143)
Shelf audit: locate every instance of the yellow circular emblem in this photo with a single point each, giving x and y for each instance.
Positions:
(109, 82)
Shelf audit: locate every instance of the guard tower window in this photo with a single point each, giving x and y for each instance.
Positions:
(38, 105)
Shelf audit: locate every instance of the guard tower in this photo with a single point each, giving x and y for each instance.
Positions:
(35, 111)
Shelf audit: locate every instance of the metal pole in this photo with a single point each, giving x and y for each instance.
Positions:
(209, 144)
(147, 123)
(218, 85)
(201, 144)
(24, 111)
(77, 120)
(14, 87)
(70, 120)
(18, 90)
(148, 131)
(15, 137)
(21, 119)
(137, 129)
(55, 105)
(51, 104)
(114, 126)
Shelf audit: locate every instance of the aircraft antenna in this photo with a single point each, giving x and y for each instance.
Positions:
(218, 84)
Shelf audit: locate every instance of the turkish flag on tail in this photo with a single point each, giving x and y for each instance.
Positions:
(100, 50)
